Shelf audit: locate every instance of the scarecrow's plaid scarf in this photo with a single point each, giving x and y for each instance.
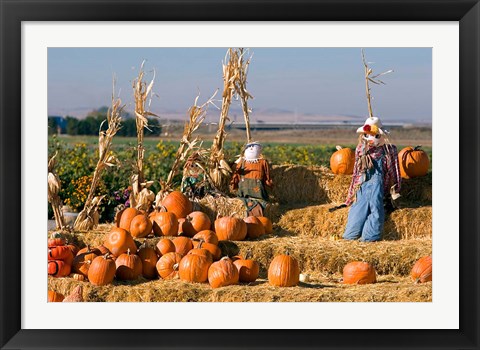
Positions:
(391, 170)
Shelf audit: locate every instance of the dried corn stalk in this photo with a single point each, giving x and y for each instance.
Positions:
(196, 116)
(369, 77)
(54, 186)
(88, 218)
(241, 88)
(219, 170)
(141, 197)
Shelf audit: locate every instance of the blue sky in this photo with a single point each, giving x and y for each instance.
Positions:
(315, 81)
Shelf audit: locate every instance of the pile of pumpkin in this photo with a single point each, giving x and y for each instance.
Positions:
(413, 162)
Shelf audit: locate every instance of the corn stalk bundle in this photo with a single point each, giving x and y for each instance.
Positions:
(54, 186)
(219, 170)
(141, 197)
(196, 116)
(88, 218)
(241, 88)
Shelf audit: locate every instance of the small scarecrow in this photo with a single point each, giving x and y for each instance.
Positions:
(195, 184)
(251, 177)
(376, 178)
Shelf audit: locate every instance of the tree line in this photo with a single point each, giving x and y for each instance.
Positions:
(91, 124)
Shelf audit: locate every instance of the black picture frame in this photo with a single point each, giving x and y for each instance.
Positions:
(13, 12)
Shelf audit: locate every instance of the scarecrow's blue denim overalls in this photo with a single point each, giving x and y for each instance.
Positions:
(366, 216)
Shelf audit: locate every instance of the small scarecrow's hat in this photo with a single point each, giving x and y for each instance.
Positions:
(372, 126)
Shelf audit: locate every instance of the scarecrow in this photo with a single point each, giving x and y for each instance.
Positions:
(376, 177)
(251, 177)
(194, 182)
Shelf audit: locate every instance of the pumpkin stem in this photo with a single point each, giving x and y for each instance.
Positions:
(248, 254)
(338, 147)
(417, 147)
(128, 251)
(175, 267)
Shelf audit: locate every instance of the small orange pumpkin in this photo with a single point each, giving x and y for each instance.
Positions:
(119, 241)
(222, 273)
(422, 270)
(176, 202)
(284, 271)
(167, 265)
(212, 248)
(129, 266)
(60, 253)
(413, 162)
(230, 228)
(248, 270)
(202, 252)
(342, 161)
(149, 259)
(255, 228)
(267, 224)
(125, 217)
(183, 245)
(208, 236)
(58, 268)
(195, 222)
(359, 272)
(54, 297)
(83, 260)
(164, 246)
(140, 226)
(102, 270)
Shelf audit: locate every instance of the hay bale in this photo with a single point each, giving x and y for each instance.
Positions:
(387, 289)
(317, 221)
(319, 185)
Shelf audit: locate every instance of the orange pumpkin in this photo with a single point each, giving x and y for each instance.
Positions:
(202, 252)
(165, 224)
(102, 270)
(83, 260)
(212, 248)
(56, 239)
(195, 222)
(176, 202)
(140, 226)
(54, 297)
(183, 245)
(284, 271)
(267, 224)
(248, 270)
(60, 253)
(207, 236)
(74, 249)
(164, 246)
(125, 217)
(422, 270)
(58, 268)
(194, 268)
(149, 259)
(119, 241)
(255, 228)
(413, 162)
(230, 229)
(167, 265)
(342, 161)
(222, 273)
(359, 272)
(129, 266)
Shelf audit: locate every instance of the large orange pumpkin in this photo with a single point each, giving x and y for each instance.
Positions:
(342, 161)
(176, 202)
(167, 265)
(149, 261)
(194, 268)
(284, 271)
(422, 270)
(202, 252)
(248, 270)
(129, 266)
(165, 224)
(119, 241)
(267, 224)
(222, 273)
(58, 268)
(54, 297)
(230, 229)
(212, 248)
(359, 272)
(255, 227)
(413, 162)
(102, 270)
